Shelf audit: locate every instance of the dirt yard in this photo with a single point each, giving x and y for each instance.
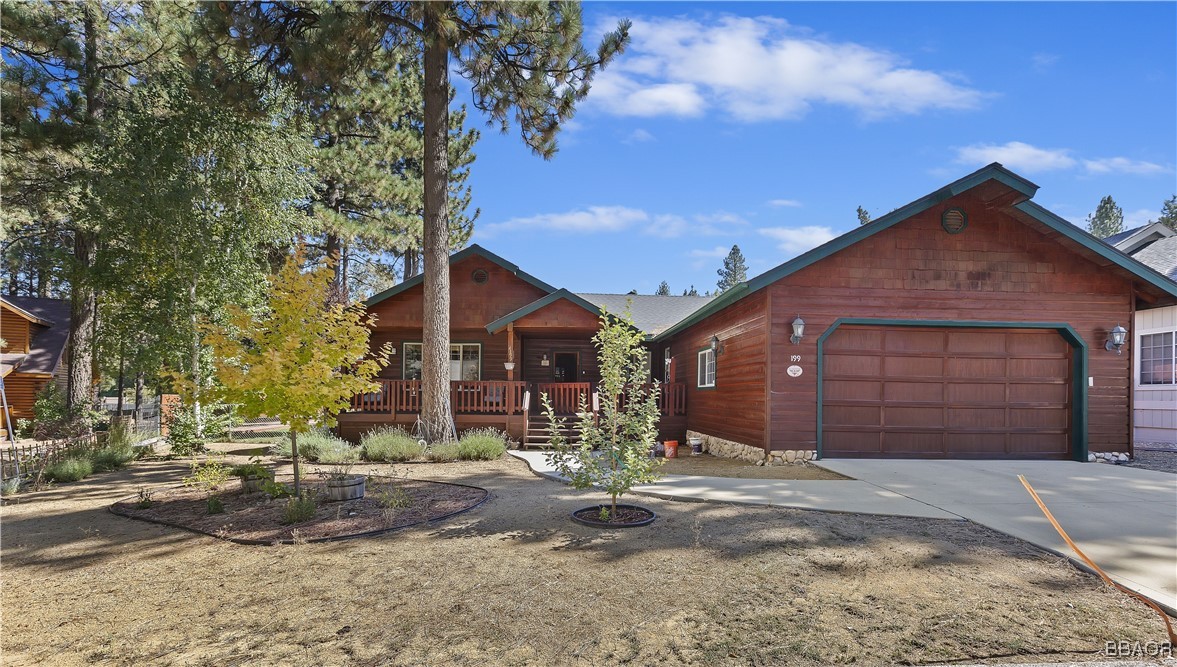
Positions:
(516, 582)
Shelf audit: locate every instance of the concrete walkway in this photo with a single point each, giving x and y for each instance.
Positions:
(827, 495)
(1124, 519)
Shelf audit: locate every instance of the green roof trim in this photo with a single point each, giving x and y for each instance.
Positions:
(459, 256)
(538, 304)
(992, 171)
(1141, 270)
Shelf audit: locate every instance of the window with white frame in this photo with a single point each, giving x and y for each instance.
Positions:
(465, 361)
(1158, 358)
(707, 368)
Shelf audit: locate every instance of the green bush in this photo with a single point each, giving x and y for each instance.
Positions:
(69, 470)
(442, 452)
(10, 486)
(215, 505)
(210, 475)
(182, 432)
(390, 444)
(112, 458)
(298, 510)
(276, 489)
(482, 444)
(319, 446)
(251, 469)
(51, 419)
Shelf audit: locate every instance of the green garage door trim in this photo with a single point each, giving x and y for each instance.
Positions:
(1078, 366)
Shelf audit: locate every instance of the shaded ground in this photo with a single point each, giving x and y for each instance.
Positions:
(714, 466)
(516, 582)
(1162, 460)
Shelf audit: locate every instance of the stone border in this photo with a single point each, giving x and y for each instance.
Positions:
(737, 450)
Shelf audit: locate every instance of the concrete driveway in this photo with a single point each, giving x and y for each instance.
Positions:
(1125, 519)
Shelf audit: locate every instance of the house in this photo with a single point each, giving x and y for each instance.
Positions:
(35, 332)
(1154, 335)
(513, 337)
(970, 323)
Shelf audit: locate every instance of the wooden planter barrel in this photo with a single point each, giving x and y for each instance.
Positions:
(347, 488)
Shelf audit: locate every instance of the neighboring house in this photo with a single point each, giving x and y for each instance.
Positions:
(1154, 337)
(970, 323)
(35, 332)
(512, 338)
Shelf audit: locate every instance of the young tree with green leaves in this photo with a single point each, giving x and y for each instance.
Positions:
(1108, 219)
(734, 271)
(614, 452)
(299, 358)
(524, 61)
(663, 289)
(863, 215)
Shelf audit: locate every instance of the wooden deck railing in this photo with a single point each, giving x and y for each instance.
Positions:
(497, 397)
(564, 396)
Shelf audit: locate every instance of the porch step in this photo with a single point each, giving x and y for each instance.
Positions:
(538, 436)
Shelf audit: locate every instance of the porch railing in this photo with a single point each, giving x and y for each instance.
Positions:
(497, 397)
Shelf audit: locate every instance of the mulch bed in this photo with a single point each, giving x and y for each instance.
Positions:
(255, 518)
(626, 516)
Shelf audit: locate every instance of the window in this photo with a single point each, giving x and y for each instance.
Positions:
(1158, 358)
(465, 361)
(707, 368)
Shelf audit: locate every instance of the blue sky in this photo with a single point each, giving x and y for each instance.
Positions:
(767, 124)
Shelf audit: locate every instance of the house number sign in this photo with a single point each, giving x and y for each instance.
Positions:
(793, 371)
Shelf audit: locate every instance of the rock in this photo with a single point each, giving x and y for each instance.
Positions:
(1123, 458)
(760, 463)
(1090, 457)
(790, 456)
(809, 454)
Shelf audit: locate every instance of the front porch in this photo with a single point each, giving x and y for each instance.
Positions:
(505, 405)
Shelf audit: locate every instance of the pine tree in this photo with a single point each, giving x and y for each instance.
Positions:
(663, 289)
(523, 60)
(734, 271)
(863, 216)
(1108, 219)
(690, 292)
(1169, 213)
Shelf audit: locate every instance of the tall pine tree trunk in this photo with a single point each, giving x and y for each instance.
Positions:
(138, 414)
(83, 300)
(435, 347)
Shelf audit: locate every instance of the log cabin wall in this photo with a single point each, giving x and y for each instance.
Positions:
(997, 269)
(735, 409)
(15, 331)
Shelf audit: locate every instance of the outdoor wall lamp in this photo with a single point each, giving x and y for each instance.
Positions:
(798, 331)
(544, 360)
(1116, 339)
(716, 345)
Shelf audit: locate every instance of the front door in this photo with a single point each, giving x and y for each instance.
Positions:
(564, 367)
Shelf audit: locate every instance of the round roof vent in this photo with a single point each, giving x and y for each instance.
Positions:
(480, 276)
(954, 221)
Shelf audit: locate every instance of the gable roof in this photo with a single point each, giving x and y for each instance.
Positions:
(1134, 239)
(540, 303)
(7, 301)
(995, 172)
(651, 313)
(473, 250)
(47, 345)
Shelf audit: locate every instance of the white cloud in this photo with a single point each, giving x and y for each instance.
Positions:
(763, 68)
(638, 136)
(592, 219)
(1139, 217)
(1044, 61)
(704, 257)
(1122, 165)
(796, 240)
(790, 203)
(1017, 156)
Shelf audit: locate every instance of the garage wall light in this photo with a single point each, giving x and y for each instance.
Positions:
(1116, 339)
(716, 345)
(798, 331)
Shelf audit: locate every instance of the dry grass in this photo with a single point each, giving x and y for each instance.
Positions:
(516, 582)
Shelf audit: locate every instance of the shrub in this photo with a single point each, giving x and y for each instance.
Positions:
(69, 470)
(10, 486)
(182, 433)
(275, 489)
(51, 419)
(319, 446)
(145, 498)
(251, 469)
(482, 444)
(112, 458)
(215, 505)
(442, 452)
(298, 510)
(209, 475)
(390, 444)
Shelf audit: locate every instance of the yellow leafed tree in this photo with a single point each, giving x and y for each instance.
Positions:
(300, 358)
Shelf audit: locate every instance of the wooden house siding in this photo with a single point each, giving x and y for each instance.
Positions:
(21, 391)
(998, 269)
(735, 408)
(15, 331)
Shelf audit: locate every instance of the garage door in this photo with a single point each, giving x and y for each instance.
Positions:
(909, 392)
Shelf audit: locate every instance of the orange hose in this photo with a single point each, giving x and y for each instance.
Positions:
(1103, 575)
